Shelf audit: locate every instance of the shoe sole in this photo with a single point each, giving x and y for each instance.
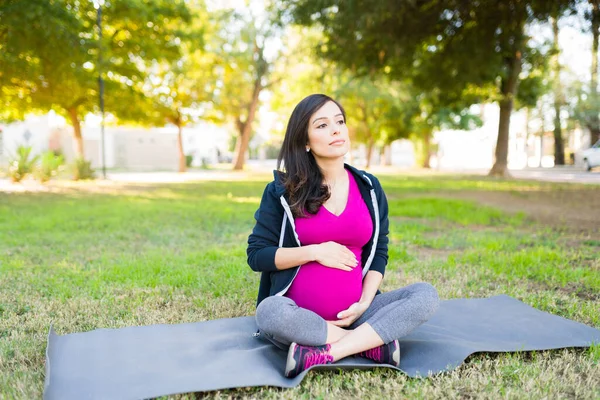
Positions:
(290, 365)
(396, 354)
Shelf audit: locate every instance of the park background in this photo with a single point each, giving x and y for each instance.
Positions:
(194, 84)
(195, 98)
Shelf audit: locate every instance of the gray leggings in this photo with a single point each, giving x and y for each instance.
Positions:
(392, 315)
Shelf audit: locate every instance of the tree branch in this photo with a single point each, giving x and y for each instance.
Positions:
(273, 83)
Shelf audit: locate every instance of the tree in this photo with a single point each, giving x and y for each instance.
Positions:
(245, 72)
(50, 54)
(379, 110)
(450, 46)
(33, 36)
(594, 120)
(584, 104)
(303, 73)
(179, 91)
(559, 146)
(587, 112)
(433, 116)
(536, 86)
(375, 108)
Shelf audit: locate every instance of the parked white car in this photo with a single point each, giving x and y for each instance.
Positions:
(591, 157)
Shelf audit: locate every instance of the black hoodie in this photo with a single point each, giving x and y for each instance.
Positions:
(275, 228)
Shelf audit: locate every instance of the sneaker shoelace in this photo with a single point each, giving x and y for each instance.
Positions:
(374, 354)
(316, 358)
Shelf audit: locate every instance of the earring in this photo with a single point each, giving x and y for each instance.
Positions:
(307, 149)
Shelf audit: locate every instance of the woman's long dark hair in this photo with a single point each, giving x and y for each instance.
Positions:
(303, 179)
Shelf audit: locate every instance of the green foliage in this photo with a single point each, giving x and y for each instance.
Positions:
(39, 41)
(49, 165)
(378, 110)
(303, 74)
(22, 164)
(245, 70)
(536, 80)
(381, 107)
(42, 167)
(449, 49)
(188, 160)
(594, 352)
(178, 90)
(50, 53)
(584, 105)
(82, 169)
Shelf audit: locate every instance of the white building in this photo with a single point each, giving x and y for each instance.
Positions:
(475, 149)
(135, 148)
(36, 132)
(129, 148)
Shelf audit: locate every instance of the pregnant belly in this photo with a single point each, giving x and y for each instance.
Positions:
(326, 291)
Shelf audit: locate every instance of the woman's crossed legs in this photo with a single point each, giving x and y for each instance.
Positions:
(390, 316)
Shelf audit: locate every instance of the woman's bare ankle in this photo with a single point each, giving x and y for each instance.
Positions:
(335, 333)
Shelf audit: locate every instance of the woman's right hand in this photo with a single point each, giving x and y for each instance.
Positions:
(335, 255)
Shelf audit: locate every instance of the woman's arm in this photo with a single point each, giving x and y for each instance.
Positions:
(290, 257)
(328, 254)
(370, 286)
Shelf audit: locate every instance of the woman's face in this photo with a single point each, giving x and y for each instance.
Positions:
(327, 132)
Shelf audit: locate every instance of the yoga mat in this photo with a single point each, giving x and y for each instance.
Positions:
(149, 361)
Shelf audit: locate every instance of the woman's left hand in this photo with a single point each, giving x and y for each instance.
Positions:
(347, 317)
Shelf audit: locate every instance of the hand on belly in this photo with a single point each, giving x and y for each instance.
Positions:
(326, 291)
(334, 255)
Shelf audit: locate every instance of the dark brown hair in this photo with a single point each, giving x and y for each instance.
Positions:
(303, 179)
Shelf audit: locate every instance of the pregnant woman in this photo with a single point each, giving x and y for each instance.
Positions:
(320, 241)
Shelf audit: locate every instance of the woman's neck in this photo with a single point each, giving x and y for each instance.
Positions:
(332, 170)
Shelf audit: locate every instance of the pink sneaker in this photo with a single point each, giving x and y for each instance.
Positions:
(385, 354)
(301, 358)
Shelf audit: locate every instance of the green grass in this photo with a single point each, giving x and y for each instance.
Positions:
(82, 259)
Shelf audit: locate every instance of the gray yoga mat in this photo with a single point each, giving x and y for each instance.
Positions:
(149, 361)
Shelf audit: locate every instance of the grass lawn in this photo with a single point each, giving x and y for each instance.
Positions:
(84, 257)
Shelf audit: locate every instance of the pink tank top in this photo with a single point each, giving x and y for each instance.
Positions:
(324, 290)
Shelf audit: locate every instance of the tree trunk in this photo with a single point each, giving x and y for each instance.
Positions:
(245, 129)
(241, 146)
(559, 146)
(508, 90)
(527, 118)
(594, 136)
(78, 139)
(370, 145)
(182, 163)
(386, 155)
(594, 125)
(426, 149)
(543, 128)
(370, 141)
